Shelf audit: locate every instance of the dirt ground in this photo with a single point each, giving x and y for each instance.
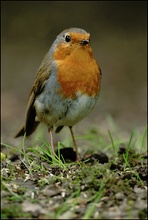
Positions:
(98, 187)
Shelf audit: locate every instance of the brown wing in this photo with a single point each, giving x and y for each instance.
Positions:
(40, 80)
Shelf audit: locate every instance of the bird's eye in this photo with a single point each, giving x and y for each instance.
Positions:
(67, 38)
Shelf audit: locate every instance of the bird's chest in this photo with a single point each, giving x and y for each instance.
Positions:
(74, 77)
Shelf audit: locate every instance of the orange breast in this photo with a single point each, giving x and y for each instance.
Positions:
(78, 72)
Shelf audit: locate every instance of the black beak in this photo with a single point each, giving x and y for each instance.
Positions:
(84, 42)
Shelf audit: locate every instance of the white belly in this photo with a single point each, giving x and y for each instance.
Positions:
(56, 111)
(78, 110)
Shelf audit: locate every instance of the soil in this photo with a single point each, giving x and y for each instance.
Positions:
(99, 187)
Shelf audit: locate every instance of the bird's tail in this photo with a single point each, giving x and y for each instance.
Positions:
(20, 132)
(27, 131)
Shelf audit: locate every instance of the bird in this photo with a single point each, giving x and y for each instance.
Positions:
(66, 86)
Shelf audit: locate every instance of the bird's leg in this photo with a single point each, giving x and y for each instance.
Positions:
(74, 142)
(51, 142)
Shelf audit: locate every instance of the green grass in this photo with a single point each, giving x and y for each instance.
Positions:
(13, 212)
(84, 184)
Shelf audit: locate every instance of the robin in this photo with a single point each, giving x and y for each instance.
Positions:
(66, 86)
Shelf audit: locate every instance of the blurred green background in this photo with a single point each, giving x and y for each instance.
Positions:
(118, 38)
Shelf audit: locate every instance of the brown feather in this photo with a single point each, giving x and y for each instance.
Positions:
(42, 75)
